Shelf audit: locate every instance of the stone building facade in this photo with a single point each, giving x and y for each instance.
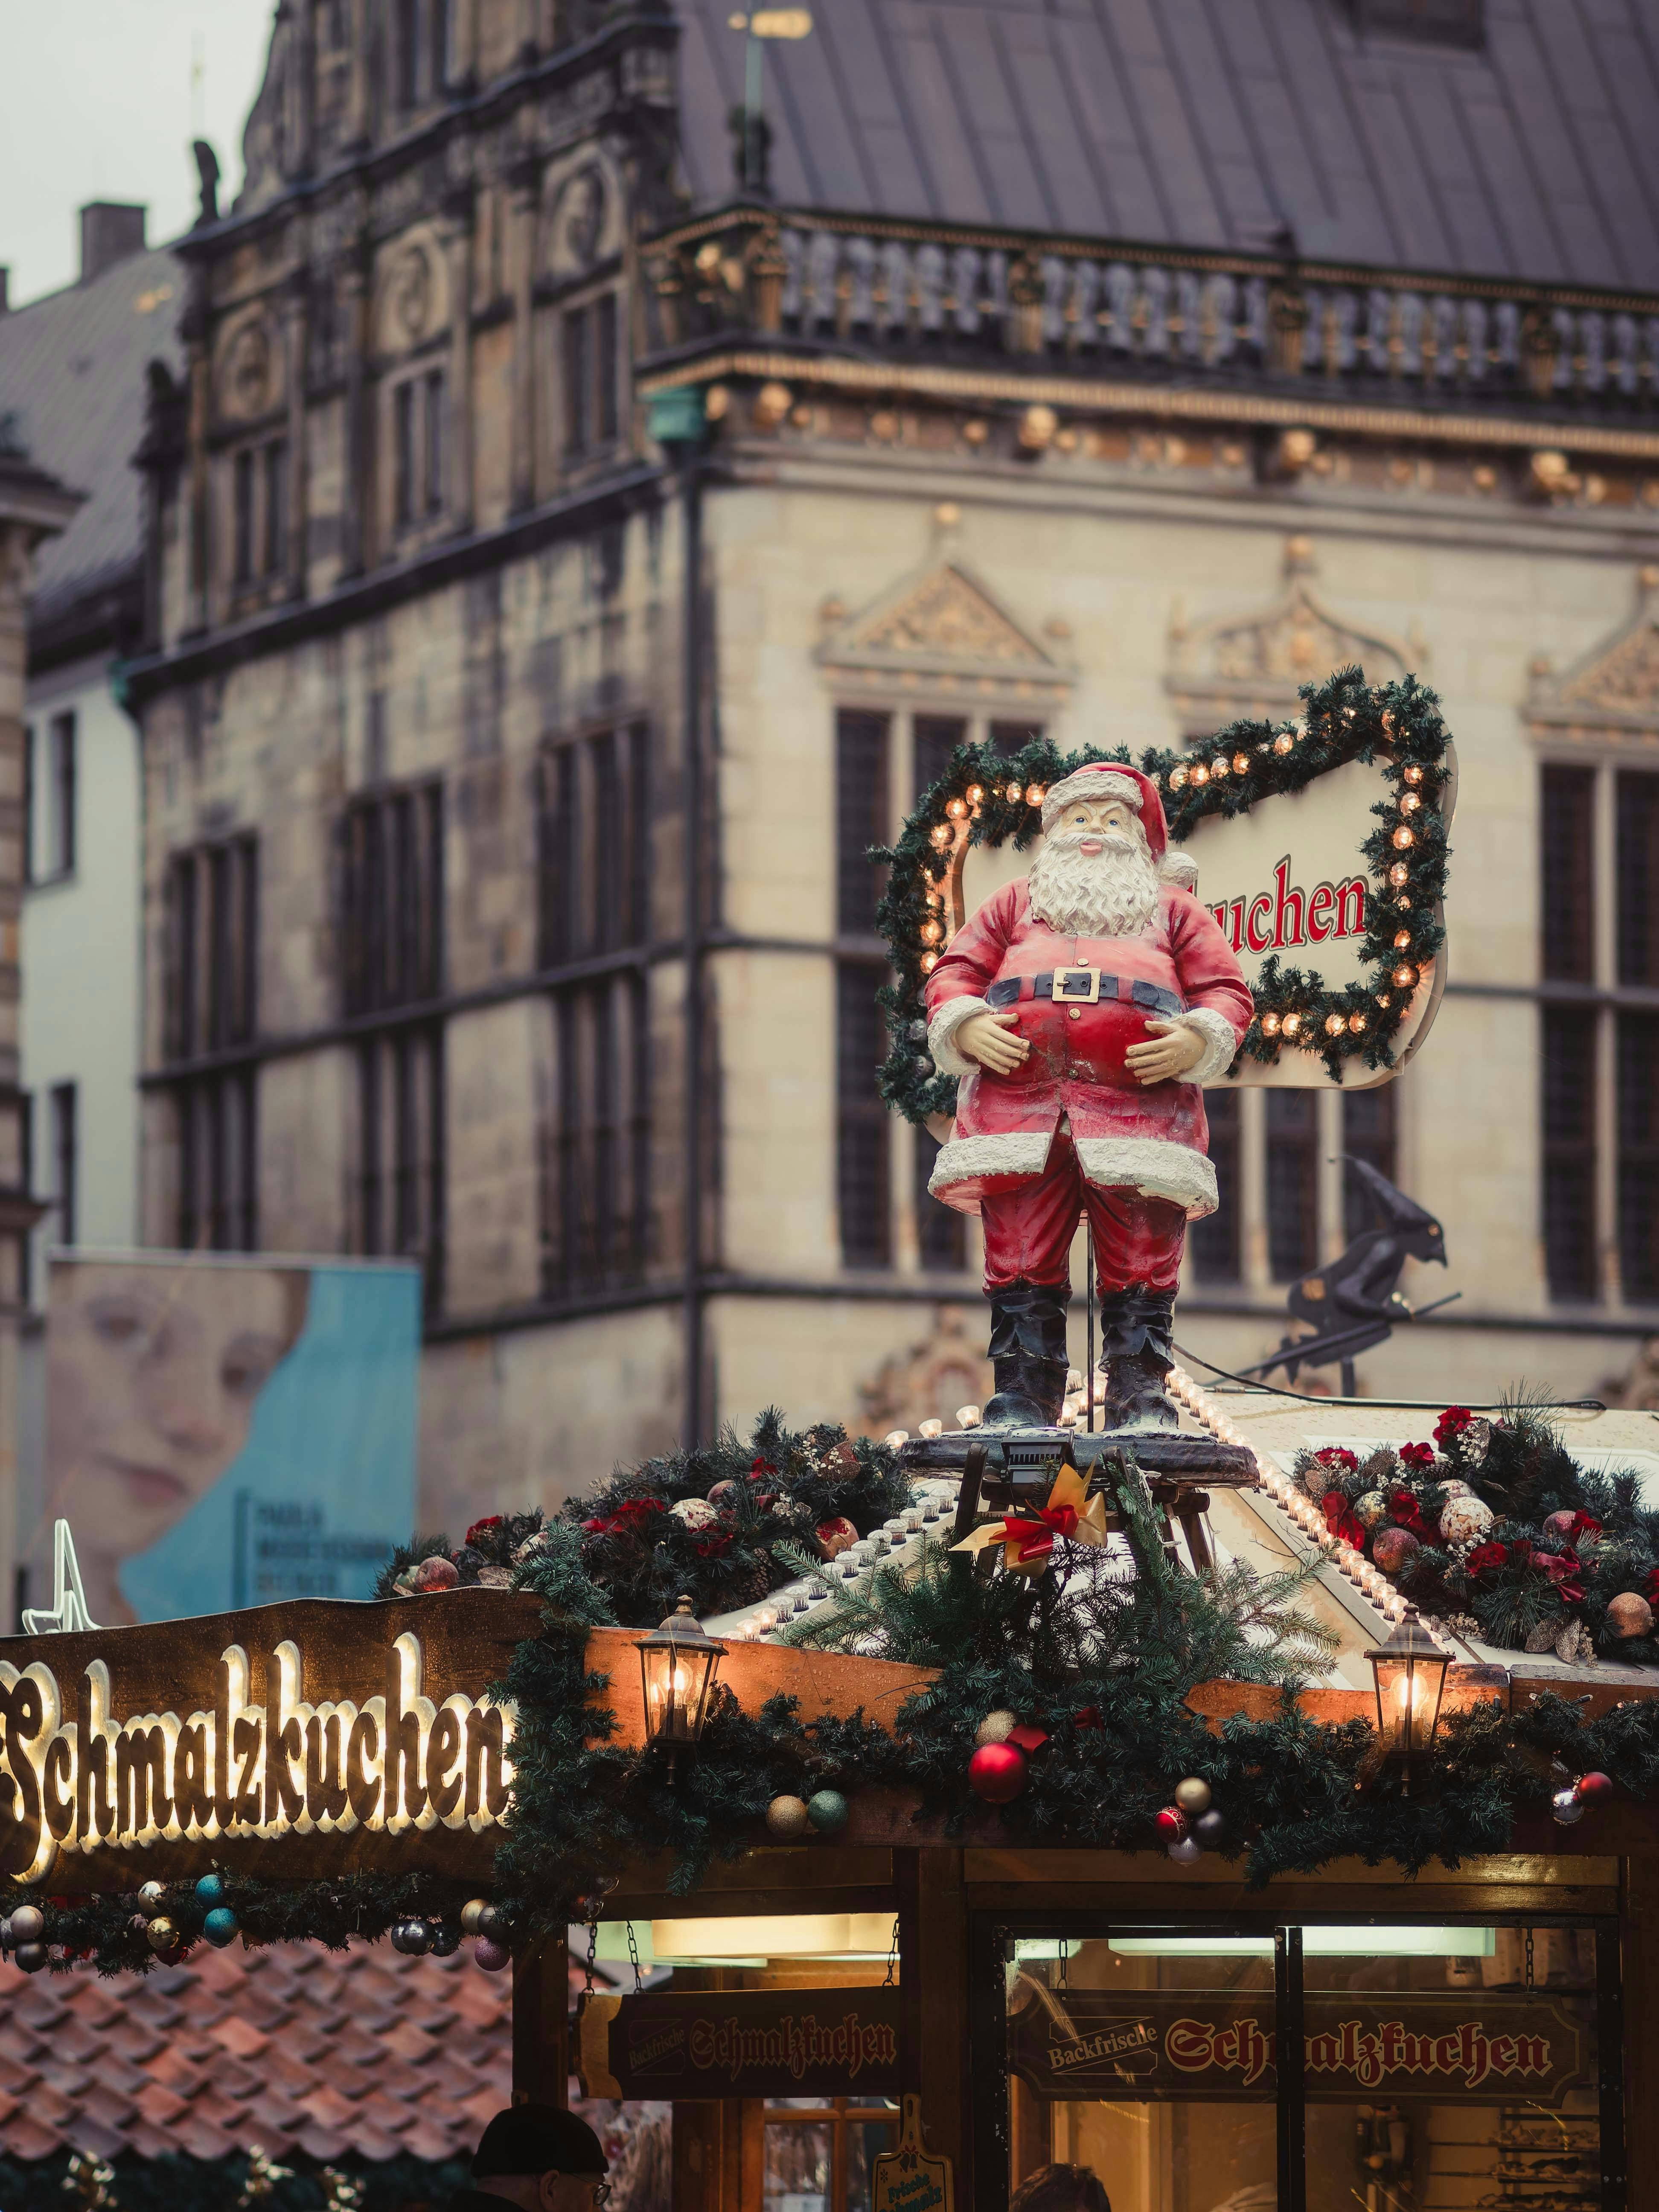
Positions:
(563, 569)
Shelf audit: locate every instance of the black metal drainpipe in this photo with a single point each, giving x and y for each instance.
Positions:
(691, 728)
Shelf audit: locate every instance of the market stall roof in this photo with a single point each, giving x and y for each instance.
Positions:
(1260, 1525)
(292, 2049)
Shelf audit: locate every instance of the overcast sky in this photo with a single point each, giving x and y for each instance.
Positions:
(97, 104)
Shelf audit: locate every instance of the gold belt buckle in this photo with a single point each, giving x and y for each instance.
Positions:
(1065, 996)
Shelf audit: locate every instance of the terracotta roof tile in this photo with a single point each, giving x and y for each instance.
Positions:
(294, 2048)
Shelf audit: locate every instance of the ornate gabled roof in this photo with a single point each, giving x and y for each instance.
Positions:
(1215, 125)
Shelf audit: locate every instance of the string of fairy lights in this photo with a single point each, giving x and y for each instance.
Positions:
(984, 799)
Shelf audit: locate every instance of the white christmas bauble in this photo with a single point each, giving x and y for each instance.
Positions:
(1464, 1519)
(1187, 1852)
(696, 1512)
(1370, 1510)
(1454, 1487)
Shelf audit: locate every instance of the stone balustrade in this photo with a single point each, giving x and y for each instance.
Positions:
(957, 293)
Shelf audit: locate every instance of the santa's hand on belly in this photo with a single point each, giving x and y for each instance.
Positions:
(1164, 1058)
(992, 1040)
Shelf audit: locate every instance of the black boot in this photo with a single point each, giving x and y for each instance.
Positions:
(1028, 1356)
(1137, 1329)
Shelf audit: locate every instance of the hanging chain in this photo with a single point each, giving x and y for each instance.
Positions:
(1065, 1962)
(892, 1955)
(593, 1948)
(634, 1958)
(1529, 1980)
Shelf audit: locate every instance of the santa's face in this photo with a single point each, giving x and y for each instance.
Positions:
(1094, 877)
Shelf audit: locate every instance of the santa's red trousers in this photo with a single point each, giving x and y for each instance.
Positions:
(1028, 1231)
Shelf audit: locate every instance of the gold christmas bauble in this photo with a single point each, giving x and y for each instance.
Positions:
(1629, 1614)
(1193, 1795)
(786, 1816)
(995, 1727)
(160, 1935)
(472, 1914)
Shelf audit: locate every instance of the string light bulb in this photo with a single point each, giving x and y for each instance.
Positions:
(929, 962)
(1399, 874)
(1241, 763)
(1292, 1025)
(1013, 794)
(1403, 839)
(1334, 1025)
(1283, 741)
(1405, 976)
(931, 932)
(1198, 774)
(1412, 773)
(975, 794)
(1402, 938)
(1177, 778)
(957, 809)
(1035, 794)
(1410, 801)
(1220, 766)
(1356, 1023)
(1270, 1025)
(939, 836)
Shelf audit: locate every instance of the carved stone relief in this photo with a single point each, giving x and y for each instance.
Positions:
(929, 1381)
(581, 224)
(943, 623)
(1615, 688)
(1260, 659)
(249, 374)
(414, 292)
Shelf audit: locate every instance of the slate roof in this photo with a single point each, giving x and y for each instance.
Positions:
(72, 368)
(1209, 122)
(293, 2048)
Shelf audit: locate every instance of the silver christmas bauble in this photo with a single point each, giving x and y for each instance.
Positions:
(1567, 1806)
(1187, 1852)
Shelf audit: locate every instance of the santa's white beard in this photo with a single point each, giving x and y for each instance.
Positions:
(1111, 893)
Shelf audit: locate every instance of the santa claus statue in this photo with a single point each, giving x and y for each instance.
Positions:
(1084, 1008)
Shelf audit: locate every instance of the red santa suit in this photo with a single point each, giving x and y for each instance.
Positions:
(1071, 1129)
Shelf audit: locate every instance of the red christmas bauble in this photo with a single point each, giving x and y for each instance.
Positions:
(1594, 1787)
(996, 1772)
(1171, 1824)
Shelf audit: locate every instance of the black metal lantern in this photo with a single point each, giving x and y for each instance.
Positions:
(677, 1666)
(1410, 1670)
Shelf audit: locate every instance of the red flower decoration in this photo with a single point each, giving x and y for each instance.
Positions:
(1417, 1454)
(1405, 1508)
(711, 1546)
(1486, 1559)
(626, 1520)
(1564, 1569)
(1651, 1587)
(489, 1521)
(1583, 1524)
(1342, 1520)
(1452, 1423)
(759, 1468)
(1338, 1455)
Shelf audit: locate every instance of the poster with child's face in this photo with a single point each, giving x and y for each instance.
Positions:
(225, 1431)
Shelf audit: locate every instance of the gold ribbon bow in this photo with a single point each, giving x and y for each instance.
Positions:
(1027, 1539)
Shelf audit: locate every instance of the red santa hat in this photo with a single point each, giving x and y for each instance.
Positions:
(1104, 780)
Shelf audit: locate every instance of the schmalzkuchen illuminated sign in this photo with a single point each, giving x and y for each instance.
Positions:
(358, 1731)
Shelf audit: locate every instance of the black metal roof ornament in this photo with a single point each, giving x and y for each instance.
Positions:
(1353, 1302)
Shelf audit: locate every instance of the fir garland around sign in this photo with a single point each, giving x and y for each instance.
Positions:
(1096, 1666)
(997, 799)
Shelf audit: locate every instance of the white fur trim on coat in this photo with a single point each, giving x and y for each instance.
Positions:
(944, 1026)
(1220, 1043)
(1022, 1151)
(1154, 1167)
(1151, 1165)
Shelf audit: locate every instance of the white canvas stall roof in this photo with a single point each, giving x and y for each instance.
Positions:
(1347, 1597)
(1252, 1525)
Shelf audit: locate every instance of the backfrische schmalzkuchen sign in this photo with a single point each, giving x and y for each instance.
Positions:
(348, 1733)
(1490, 2046)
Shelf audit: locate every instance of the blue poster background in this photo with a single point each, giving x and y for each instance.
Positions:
(324, 1485)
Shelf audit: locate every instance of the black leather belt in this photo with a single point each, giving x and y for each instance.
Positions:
(1084, 987)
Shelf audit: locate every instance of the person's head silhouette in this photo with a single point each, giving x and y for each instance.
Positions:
(1061, 2189)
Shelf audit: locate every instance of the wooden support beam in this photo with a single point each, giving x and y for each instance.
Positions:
(933, 1979)
(541, 2024)
(1639, 1939)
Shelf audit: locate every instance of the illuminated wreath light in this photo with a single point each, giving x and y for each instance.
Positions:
(989, 799)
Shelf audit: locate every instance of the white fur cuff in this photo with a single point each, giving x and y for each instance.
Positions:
(1220, 1043)
(944, 1026)
(1154, 1166)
